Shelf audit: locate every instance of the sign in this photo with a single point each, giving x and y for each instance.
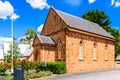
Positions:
(18, 73)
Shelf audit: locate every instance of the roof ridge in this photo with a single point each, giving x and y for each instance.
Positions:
(45, 36)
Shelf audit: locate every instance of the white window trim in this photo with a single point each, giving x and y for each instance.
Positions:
(95, 51)
(81, 51)
(106, 53)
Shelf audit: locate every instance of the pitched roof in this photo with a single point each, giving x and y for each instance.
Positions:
(82, 24)
(28, 51)
(46, 40)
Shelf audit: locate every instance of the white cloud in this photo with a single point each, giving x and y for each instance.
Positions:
(6, 9)
(115, 3)
(39, 29)
(91, 1)
(112, 2)
(73, 2)
(38, 4)
(14, 16)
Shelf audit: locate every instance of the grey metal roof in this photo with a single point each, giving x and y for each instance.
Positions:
(28, 51)
(118, 57)
(46, 40)
(82, 24)
(1, 54)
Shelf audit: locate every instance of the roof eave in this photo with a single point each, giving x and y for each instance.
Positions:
(48, 44)
(90, 33)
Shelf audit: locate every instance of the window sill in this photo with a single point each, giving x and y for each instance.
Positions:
(81, 59)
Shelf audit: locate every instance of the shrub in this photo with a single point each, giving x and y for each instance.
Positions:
(40, 74)
(38, 66)
(17, 63)
(10, 77)
(3, 68)
(8, 65)
(56, 67)
(27, 65)
(33, 74)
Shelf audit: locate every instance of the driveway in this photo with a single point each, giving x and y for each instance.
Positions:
(98, 75)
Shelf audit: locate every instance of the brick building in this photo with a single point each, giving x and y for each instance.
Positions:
(82, 44)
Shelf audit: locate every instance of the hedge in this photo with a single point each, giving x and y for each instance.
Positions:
(56, 67)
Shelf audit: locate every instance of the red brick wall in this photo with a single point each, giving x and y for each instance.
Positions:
(60, 47)
(88, 63)
(48, 53)
(53, 24)
(55, 27)
(42, 52)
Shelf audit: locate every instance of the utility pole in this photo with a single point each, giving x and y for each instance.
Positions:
(12, 45)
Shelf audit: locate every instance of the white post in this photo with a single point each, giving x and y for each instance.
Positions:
(12, 45)
(3, 49)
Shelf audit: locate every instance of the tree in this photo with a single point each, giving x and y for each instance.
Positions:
(98, 17)
(16, 52)
(103, 20)
(30, 34)
(116, 34)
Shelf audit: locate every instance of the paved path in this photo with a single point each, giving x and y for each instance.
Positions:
(98, 75)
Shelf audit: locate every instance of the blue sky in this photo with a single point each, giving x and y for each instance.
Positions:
(32, 13)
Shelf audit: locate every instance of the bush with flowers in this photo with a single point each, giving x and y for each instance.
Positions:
(4, 67)
(27, 65)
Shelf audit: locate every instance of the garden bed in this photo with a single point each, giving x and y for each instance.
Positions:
(35, 69)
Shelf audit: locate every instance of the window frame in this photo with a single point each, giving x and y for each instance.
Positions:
(95, 51)
(106, 53)
(81, 50)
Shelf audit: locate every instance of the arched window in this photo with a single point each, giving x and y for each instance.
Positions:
(81, 50)
(106, 52)
(95, 51)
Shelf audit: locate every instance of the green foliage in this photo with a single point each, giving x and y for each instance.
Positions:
(116, 34)
(98, 17)
(27, 65)
(10, 77)
(17, 63)
(56, 67)
(30, 34)
(4, 67)
(38, 66)
(16, 52)
(33, 74)
(39, 74)
(103, 20)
